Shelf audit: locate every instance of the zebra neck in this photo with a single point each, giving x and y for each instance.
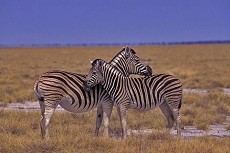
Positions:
(120, 64)
(113, 81)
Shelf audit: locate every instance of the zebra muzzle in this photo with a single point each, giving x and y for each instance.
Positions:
(149, 72)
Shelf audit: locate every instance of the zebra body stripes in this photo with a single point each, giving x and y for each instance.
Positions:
(161, 90)
(67, 90)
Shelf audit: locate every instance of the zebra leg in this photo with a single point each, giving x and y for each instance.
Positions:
(177, 119)
(122, 115)
(47, 113)
(166, 110)
(107, 109)
(99, 118)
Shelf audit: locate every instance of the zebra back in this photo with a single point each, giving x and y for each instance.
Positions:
(151, 92)
(67, 88)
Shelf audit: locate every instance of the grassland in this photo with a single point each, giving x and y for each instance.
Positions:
(20, 131)
(198, 66)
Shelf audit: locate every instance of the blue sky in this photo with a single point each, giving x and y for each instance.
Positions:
(112, 21)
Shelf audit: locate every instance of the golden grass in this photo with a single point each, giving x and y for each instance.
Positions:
(20, 132)
(202, 111)
(198, 66)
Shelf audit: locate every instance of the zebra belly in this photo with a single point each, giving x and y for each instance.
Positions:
(66, 103)
(143, 106)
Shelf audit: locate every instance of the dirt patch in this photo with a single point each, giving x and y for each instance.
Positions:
(204, 91)
(27, 106)
(196, 91)
(188, 132)
(214, 130)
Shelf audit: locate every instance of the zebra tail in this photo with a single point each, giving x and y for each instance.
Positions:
(36, 91)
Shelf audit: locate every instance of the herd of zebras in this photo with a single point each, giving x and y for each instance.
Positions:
(108, 85)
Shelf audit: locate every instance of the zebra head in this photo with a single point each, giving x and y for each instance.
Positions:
(94, 76)
(127, 62)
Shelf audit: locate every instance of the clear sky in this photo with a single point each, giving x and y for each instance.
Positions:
(113, 21)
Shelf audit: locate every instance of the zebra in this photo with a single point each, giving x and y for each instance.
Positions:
(66, 89)
(147, 93)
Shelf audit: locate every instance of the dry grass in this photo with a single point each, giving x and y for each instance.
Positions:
(19, 67)
(228, 127)
(198, 66)
(202, 111)
(20, 132)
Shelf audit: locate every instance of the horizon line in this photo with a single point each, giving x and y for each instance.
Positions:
(119, 44)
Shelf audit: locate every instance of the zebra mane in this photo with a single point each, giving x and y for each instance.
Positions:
(117, 71)
(132, 51)
(96, 60)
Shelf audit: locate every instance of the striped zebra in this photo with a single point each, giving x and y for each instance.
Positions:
(161, 90)
(66, 89)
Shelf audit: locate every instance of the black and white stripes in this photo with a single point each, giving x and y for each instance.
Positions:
(67, 90)
(161, 90)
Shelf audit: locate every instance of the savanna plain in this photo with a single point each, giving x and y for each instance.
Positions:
(198, 67)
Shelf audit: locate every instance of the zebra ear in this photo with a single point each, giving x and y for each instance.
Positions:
(99, 64)
(133, 51)
(91, 61)
(94, 62)
(127, 52)
(123, 48)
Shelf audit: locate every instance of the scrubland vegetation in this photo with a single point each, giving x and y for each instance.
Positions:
(198, 66)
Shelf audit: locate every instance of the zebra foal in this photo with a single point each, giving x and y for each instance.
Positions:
(147, 93)
(66, 89)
